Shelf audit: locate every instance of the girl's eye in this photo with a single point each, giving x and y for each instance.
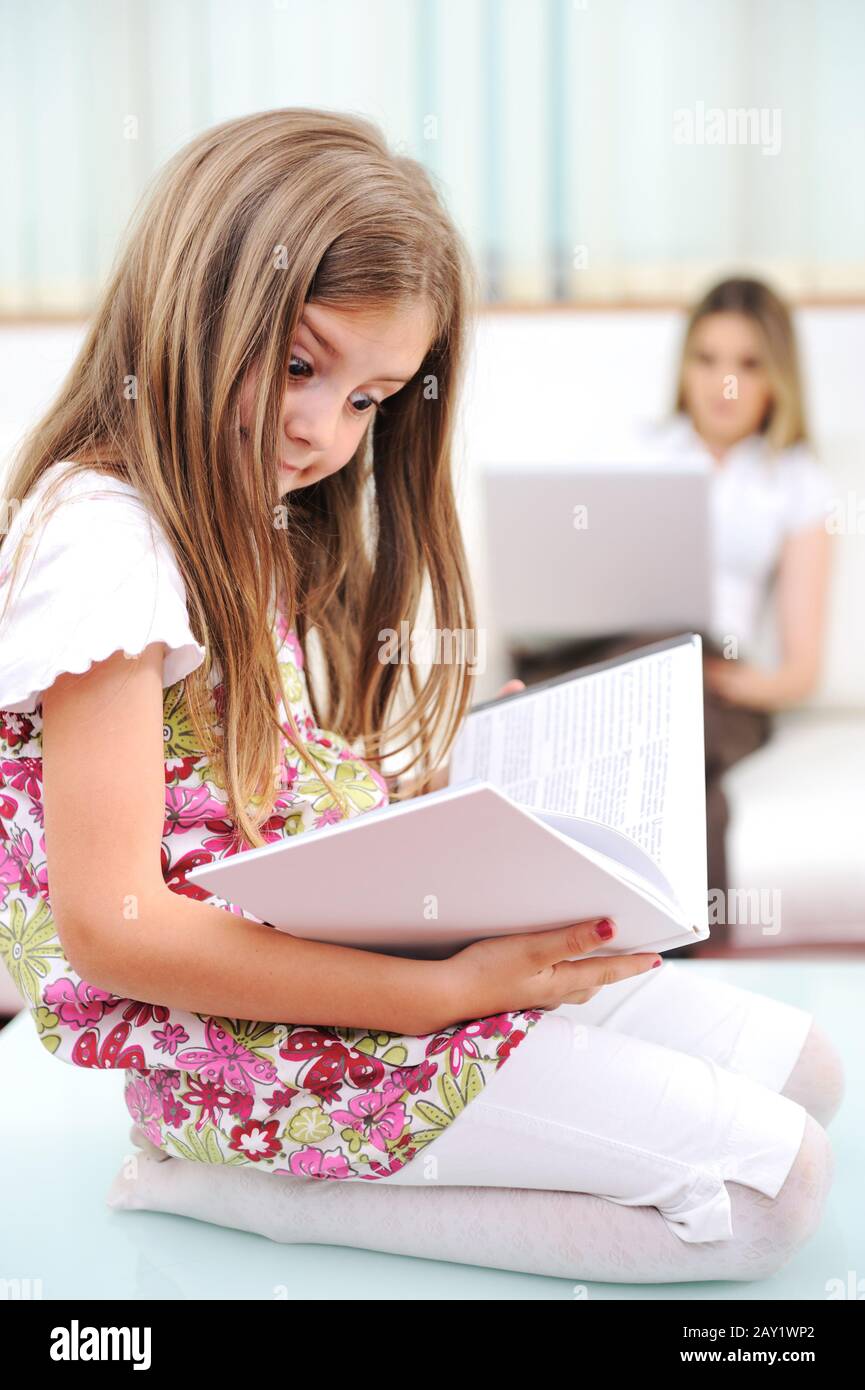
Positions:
(307, 372)
(750, 364)
(303, 362)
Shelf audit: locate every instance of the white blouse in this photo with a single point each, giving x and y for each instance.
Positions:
(98, 576)
(756, 501)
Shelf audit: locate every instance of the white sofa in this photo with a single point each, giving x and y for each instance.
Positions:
(798, 804)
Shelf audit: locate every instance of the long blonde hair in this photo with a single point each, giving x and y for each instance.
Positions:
(784, 423)
(244, 224)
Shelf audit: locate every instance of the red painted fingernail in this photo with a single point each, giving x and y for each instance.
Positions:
(655, 963)
(604, 929)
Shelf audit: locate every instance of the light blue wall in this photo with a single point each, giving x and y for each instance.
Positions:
(548, 122)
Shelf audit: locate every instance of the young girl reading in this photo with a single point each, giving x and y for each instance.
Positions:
(243, 485)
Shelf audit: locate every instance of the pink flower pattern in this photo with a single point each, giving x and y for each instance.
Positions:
(320, 1102)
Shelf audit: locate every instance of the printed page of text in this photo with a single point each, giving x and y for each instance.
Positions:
(623, 746)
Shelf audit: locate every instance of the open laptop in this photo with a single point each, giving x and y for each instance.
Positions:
(587, 550)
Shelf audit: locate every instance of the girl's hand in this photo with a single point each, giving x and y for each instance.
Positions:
(441, 775)
(511, 688)
(531, 970)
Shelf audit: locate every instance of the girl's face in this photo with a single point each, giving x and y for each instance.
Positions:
(344, 363)
(726, 383)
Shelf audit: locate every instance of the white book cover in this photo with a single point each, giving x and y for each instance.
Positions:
(580, 797)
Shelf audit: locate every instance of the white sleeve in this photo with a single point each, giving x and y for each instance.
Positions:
(810, 490)
(97, 576)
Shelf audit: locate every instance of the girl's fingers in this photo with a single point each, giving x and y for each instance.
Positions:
(577, 938)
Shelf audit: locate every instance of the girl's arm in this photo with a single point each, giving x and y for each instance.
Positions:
(802, 588)
(124, 931)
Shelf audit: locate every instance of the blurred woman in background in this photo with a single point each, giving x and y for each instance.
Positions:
(739, 408)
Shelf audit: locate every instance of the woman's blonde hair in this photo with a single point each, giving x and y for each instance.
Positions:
(784, 423)
(244, 224)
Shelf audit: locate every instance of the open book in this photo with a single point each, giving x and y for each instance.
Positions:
(582, 796)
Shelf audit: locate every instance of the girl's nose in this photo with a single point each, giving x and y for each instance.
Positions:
(313, 429)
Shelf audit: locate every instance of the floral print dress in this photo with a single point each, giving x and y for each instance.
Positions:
(314, 1101)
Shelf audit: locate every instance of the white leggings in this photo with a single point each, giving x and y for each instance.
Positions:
(670, 1087)
(653, 1093)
